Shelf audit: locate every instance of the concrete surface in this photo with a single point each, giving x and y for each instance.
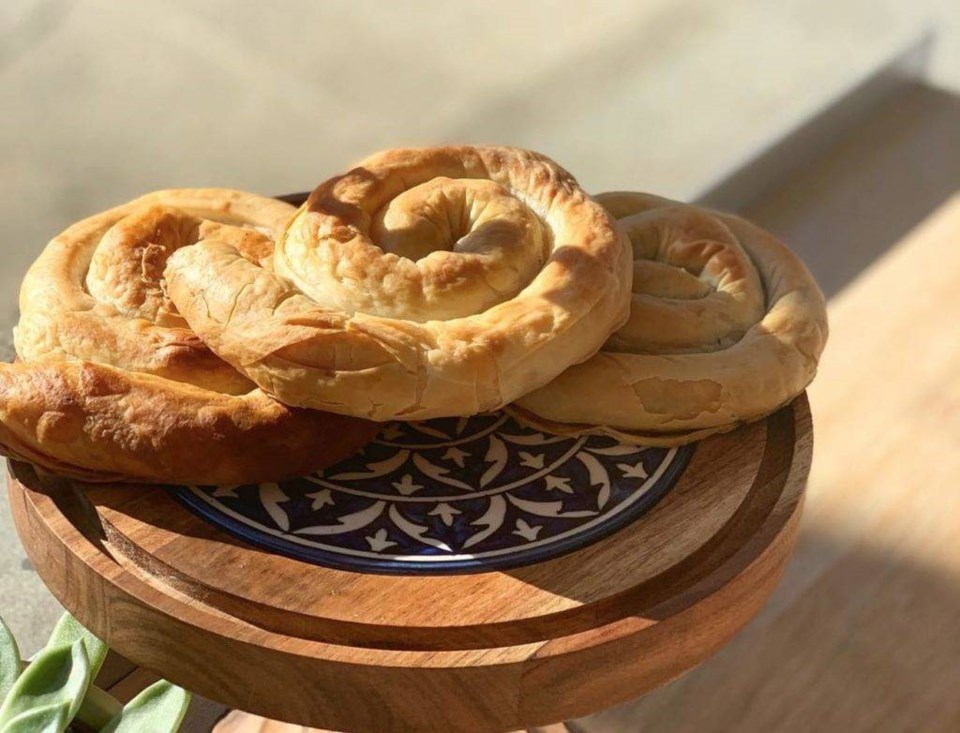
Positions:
(104, 101)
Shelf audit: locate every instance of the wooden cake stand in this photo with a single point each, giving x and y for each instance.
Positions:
(460, 574)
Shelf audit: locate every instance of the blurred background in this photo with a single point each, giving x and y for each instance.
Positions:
(104, 101)
(834, 123)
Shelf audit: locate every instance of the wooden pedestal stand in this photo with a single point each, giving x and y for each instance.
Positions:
(495, 650)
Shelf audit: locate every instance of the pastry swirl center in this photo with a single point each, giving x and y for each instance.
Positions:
(695, 289)
(126, 269)
(443, 249)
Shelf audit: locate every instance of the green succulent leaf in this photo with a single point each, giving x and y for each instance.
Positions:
(57, 676)
(159, 709)
(69, 630)
(52, 718)
(98, 708)
(10, 664)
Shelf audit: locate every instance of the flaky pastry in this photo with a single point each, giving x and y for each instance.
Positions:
(111, 383)
(726, 325)
(422, 283)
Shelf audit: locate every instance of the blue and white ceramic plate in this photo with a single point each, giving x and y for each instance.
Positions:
(451, 495)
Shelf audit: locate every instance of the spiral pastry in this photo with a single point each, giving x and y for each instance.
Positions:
(422, 283)
(726, 325)
(110, 382)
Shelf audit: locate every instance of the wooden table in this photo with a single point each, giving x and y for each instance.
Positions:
(863, 634)
(199, 585)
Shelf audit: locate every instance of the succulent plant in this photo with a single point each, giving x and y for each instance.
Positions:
(55, 691)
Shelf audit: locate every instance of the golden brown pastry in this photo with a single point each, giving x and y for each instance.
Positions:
(112, 384)
(423, 283)
(726, 326)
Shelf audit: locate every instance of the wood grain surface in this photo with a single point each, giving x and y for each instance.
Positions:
(864, 632)
(489, 651)
(237, 721)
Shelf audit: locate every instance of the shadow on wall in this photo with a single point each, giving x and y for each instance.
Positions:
(882, 622)
(846, 207)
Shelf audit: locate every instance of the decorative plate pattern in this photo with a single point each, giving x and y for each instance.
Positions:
(450, 495)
